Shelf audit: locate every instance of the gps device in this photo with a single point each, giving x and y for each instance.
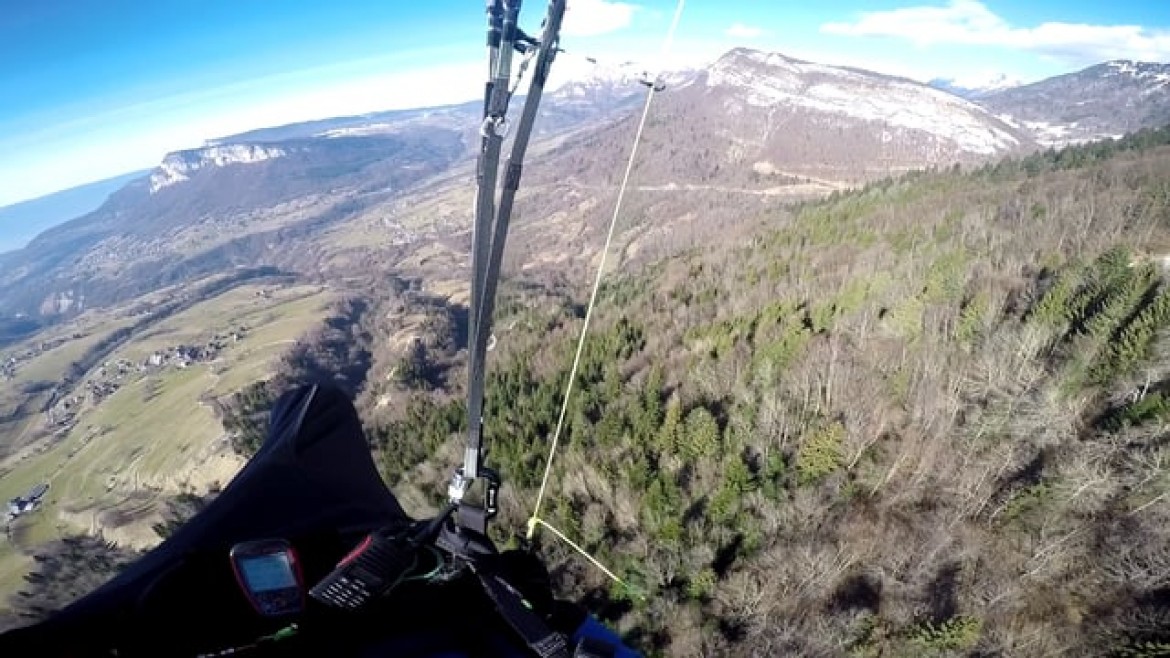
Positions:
(269, 574)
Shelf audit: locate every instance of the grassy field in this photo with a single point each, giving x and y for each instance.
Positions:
(236, 308)
(13, 566)
(47, 367)
(51, 364)
(153, 436)
(437, 210)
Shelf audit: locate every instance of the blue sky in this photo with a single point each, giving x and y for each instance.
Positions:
(92, 89)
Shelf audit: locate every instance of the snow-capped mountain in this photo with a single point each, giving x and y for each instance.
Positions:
(975, 87)
(764, 121)
(1106, 100)
(616, 85)
(603, 95)
(934, 124)
(179, 166)
(609, 83)
(753, 122)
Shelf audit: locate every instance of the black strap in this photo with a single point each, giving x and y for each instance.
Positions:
(542, 640)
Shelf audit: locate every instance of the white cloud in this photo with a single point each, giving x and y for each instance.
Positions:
(741, 31)
(587, 18)
(970, 22)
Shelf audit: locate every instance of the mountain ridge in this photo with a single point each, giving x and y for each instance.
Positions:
(867, 96)
(793, 123)
(23, 221)
(1103, 101)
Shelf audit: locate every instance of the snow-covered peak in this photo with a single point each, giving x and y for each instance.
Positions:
(772, 65)
(771, 80)
(586, 87)
(987, 81)
(975, 85)
(179, 166)
(609, 80)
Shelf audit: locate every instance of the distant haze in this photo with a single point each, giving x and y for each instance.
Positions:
(21, 222)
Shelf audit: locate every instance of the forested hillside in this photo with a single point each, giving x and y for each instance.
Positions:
(923, 418)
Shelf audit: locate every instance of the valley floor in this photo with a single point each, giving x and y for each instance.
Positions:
(140, 424)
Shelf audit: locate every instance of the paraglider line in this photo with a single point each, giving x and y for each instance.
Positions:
(535, 519)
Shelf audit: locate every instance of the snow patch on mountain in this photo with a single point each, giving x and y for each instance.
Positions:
(1153, 71)
(179, 166)
(361, 131)
(1122, 66)
(771, 79)
(1051, 134)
